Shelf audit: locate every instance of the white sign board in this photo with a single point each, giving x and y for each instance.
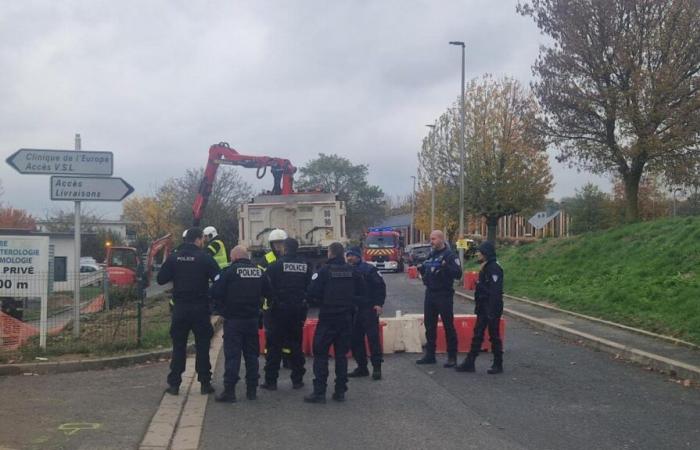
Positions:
(24, 266)
(61, 162)
(89, 189)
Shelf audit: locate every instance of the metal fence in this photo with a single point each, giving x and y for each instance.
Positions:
(111, 318)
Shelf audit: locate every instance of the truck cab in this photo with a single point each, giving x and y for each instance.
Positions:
(383, 248)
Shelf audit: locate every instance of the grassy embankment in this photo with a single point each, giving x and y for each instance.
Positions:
(645, 275)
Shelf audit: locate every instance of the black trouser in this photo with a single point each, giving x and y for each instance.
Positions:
(336, 331)
(492, 324)
(285, 327)
(439, 304)
(241, 337)
(366, 324)
(186, 318)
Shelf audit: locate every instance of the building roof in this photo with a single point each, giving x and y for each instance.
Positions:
(401, 220)
(542, 218)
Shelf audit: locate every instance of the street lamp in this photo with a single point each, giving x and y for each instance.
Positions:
(432, 182)
(461, 154)
(413, 212)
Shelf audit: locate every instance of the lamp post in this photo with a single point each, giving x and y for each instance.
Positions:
(432, 182)
(413, 212)
(461, 153)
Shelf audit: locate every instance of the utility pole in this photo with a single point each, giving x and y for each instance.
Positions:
(76, 265)
(413, 212)
(461, 154)
(432, 180)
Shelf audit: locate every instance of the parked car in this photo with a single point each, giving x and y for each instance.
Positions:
(417, 253)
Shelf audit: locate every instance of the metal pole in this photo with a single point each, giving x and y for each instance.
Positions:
(76, 265)
(461, 154)
(413, 212)
(432, 180)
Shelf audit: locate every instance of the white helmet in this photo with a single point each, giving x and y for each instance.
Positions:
(277, 235)
(210, 232)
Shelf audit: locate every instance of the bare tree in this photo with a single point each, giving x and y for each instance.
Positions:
(619, 85)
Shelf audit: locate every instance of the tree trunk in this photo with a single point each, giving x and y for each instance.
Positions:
(632, 195)
(492, 228)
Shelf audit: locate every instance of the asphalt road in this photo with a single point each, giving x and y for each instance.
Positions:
(554, 395)
(93, 410)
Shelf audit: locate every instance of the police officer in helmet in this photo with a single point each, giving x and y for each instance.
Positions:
(190, 270)
(488, 297)
(276, 239)
(367, 317)
(439, 273)
(337, 286)
(216, 247)
(290, 276)
(239, 294)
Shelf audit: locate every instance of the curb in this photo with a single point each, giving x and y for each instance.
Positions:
(657, 362)
(112, 362)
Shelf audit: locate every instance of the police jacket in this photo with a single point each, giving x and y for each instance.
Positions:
(289, 276)
(190, 270)
(440, 271)
(240, 289)
(488, 295)
(217, 250)
(338, 288)
(374, 285)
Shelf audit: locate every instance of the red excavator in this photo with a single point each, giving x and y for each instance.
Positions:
(123, 262)
(282, 171)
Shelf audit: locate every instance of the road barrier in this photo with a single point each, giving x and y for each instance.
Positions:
(470, 279)
(412, 272)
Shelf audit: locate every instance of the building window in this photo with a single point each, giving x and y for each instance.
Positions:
(60, 268)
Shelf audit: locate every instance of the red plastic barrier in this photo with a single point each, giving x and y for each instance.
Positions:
(261, 340)
(412, 272)
(307, 344)
(464, 325)
(470, 279)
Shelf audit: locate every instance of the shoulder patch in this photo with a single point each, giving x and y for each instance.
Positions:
(314, 276)
(216, 278)
(457, 261)
(494, 278)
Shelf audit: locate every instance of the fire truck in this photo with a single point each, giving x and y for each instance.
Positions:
(383, 248)
(315, 219)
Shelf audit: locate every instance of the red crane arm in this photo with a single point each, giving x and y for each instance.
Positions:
(282, 171)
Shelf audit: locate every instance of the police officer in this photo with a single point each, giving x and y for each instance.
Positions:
(489, 308)
(439, 272)
(216, 247)
(239, 294)
(276, 240)
(290, 276)
(190, 270)
(367, 317)
(337, 287)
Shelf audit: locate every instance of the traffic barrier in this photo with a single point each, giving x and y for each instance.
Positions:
(412, 272)
(470, 279)
(307, 344)
(464, 325)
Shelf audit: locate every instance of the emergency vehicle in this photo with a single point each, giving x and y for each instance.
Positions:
(383, 248)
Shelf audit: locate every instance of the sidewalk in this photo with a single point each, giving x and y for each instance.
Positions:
(675, 357)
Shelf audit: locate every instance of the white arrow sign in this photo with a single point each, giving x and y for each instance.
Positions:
(61, 162)
(90, 189)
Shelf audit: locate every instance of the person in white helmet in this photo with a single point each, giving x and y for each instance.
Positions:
(216, 247)
(276, 239)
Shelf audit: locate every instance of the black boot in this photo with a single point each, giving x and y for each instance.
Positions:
(360, 371)
(451, 361)
(228, 396)
(497, 366)
(269, 386)
(468, 364)
(206, 388)
(251, 392)
(377, 371)
(339, 396)
(297, 384)
(173, 390)
(428, 358)
(315, 397)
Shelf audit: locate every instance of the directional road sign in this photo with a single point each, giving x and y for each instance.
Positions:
(89, 189)
(61, 162)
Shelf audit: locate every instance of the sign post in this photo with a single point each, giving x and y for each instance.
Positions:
(76, 263)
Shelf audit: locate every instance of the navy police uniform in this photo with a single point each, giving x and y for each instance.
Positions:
(488, 297)
(239, 295)
(289, 276)
(190, 270)
(439, 272)
(337, 286)
(367, 319)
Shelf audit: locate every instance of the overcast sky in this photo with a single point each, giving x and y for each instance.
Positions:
(158, 82)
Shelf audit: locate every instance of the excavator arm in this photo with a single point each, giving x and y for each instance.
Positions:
(282, 172)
